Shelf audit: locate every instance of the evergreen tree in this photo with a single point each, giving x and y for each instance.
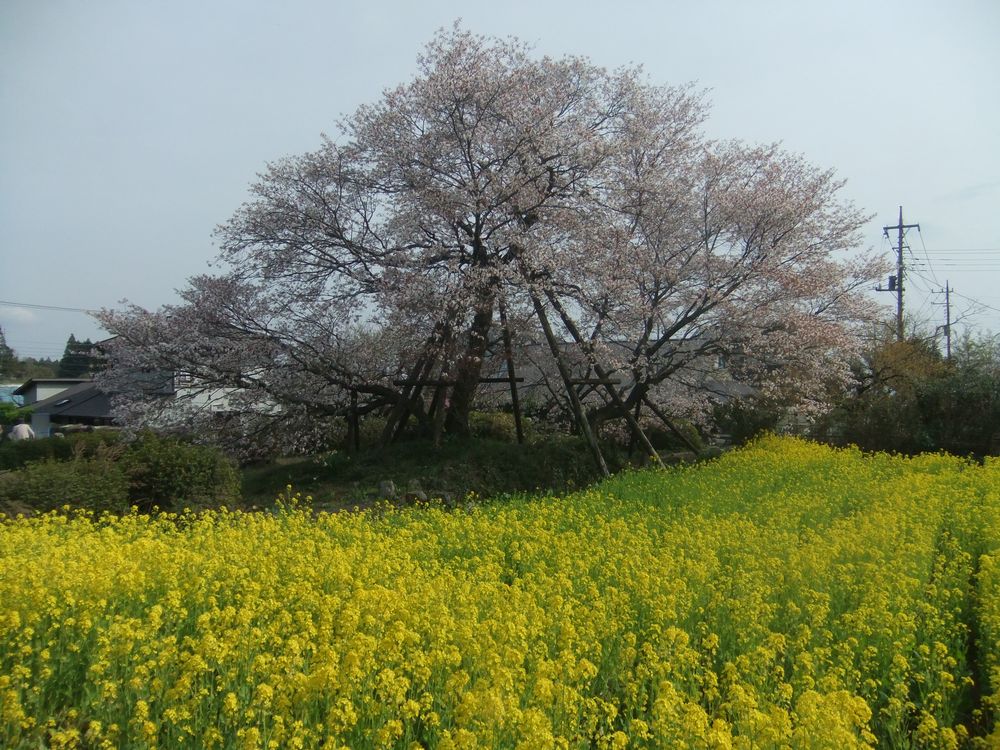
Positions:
(7, 357)
(79, 359)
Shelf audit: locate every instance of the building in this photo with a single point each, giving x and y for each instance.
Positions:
(55, 402)
(39, 389)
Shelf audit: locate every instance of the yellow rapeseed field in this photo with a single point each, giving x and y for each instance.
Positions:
(786, 595)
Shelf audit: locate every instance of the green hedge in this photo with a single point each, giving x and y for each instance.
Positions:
(88, 472)
(94, 484)
(16, 454)
(169, 473)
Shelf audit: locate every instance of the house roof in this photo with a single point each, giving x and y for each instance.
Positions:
(81, 400)
(26, 386)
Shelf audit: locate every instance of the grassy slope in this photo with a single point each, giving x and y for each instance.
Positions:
(486, 467)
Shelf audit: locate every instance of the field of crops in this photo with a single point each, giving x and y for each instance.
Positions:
(786, 595)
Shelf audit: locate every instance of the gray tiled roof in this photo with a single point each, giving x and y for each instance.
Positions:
(81, 400)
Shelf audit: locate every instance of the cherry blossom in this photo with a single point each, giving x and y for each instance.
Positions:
(367, 276)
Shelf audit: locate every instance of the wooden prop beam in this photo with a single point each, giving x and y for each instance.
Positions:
(670, 425)
(511, 374)
(607, 382)
(574, 400)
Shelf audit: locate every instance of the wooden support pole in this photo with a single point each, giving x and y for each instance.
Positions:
(670, 425)
(437, 401)
(353, 425)
(632, 435)
(441, 383)
(633, 423)
(438, 413)
(577, 407)
(397, 411)
(606, 381)
(401, 412)
(421, 382)
(509, 356)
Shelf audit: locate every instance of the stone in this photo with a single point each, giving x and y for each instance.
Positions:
(415, 492)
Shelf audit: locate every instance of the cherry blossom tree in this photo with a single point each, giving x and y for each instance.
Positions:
(569, 207)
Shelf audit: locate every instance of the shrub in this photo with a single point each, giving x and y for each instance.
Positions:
(9, 413)
(167, 473)
(97, 483)
(17, 454)
(665, 440)
(493, 425)
(745, 420)
(89, 471)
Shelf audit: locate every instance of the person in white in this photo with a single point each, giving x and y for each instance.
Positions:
(21, 431)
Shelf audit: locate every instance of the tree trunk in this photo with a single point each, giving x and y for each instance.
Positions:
(470, 367)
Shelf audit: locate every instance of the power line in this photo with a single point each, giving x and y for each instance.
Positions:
(967, 250)
(959, 294)
(32, 306)
(972, 299)
(981, 270)
(964, 261)
(972, 260)
(930, 266)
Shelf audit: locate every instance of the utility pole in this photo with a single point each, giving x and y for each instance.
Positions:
(947, 317)
(896, 284)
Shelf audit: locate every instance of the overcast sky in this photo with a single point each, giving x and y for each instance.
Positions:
(129, 129)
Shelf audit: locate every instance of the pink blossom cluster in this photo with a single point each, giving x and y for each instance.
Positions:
(687, 270)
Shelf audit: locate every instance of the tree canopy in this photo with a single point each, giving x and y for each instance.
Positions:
(908, 398)
(579, 210)
(7, 356)
(18, 369)
(80, 359)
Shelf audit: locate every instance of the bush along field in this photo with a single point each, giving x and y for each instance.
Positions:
(785, 595)
(99, 472)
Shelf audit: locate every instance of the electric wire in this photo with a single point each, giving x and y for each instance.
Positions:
(33, 306)
(930, 266)
(980, 261)
(976, 301)
(979, 303)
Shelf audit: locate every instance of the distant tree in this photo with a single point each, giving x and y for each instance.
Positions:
(7, 357)
(909, 398)
(19, 369)
(80, 359)
(584, 207)
(961, 409)
(25, 368)
(882, 412)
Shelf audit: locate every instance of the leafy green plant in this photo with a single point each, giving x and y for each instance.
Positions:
(493, 425)
(9, 413)
(95, 483)
(17, 454)
(167, 473)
